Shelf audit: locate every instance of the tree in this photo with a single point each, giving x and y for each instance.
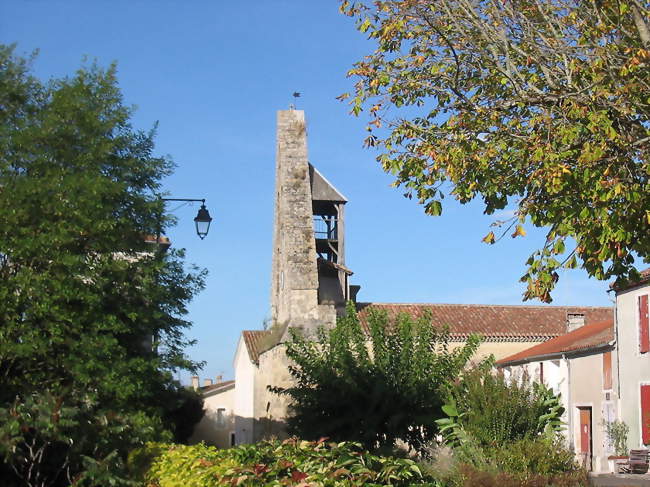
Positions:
(373, 386)
(536, 104)
(82, 293)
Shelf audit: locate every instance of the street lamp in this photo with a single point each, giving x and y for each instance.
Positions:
(201, 220)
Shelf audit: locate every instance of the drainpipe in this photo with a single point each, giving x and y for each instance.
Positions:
(569, 403)
(618, 361)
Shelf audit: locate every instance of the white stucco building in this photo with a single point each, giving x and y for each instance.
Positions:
(579, 366)
(217, 427)
(633, 358)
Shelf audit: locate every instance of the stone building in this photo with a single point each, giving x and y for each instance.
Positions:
(310, 287)
(309, 281)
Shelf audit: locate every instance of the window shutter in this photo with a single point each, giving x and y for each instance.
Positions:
(645, 414)
(607, 371)
(644, 328)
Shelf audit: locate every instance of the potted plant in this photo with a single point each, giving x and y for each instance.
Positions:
(617, 435)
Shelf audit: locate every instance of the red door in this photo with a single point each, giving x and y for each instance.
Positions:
(585, 436)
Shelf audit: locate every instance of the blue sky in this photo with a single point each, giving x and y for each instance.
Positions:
(213, 74)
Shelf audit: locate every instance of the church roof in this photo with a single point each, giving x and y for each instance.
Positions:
(494, 322)
(586, 338)
(253, 340)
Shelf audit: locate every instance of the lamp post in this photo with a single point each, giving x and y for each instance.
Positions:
(202, 222)
(202, 219)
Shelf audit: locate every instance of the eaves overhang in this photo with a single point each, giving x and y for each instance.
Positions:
(582, 352)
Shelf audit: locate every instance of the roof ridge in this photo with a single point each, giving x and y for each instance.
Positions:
(564, 343)
(543, 306)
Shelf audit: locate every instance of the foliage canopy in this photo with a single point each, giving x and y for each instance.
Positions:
(538, 106)
(82, 293)
(373, 387)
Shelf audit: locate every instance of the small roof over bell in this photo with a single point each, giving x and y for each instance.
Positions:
(322, 189)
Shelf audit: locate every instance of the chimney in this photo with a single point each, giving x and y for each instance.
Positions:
(207, 382)
(574, 321)
(195, 382)
(219, 379)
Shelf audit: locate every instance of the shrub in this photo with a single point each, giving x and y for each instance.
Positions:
(617, 435)
(531, 462)
(290, 462)
(373, 386)
(541, 455)
(495, 411)
(472, 477)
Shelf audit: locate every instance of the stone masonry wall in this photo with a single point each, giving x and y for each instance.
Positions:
(294, 280)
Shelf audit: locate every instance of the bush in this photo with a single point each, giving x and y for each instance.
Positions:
(473, 477)
(290, 462)
(373, 386)
(496, 411)
(533, 462)
(535, 456)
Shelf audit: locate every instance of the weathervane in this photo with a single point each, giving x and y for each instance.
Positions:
(296, 95)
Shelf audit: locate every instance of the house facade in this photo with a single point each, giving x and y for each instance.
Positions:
(579, 366)
(633, 358)
(217, 427)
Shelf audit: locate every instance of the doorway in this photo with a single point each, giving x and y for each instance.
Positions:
(585, 438)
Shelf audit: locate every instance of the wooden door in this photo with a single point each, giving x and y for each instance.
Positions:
(585, 436)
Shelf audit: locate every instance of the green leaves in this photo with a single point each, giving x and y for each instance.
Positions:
(290, 462)
(82, 292)
(373, 383)
(492, 411)
(560, 127)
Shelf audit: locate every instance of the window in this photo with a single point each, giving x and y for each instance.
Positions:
(607, 371)
(644, 328)
(221, 417)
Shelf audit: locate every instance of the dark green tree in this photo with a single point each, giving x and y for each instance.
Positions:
(91, 315)
(373, 385)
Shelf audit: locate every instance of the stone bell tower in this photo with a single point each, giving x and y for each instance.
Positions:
(309, 282)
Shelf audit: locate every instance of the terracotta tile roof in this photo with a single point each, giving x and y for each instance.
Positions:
(494, 322)
(253, 341)
(162, 241)
(582, 339)
(226, 384)
(644, 278)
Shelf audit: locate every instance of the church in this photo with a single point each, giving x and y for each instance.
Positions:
(310, 285)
